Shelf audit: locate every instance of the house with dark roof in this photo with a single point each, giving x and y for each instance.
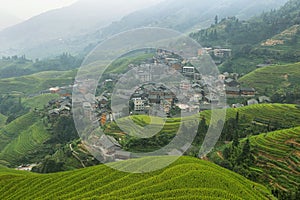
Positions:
(232, 91)
(231, 82)
(247, 91)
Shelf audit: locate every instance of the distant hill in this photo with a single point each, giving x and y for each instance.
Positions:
(233, 31)
(84, 24)
(7, 20)
(272, 37)
(187, 178)
(191, 14)
(57, 31)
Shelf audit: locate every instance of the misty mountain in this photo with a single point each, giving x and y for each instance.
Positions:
(192, 14)
(7, 20)
(72, 29)
(56, 27)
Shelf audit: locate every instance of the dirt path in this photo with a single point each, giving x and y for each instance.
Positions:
(75, 154)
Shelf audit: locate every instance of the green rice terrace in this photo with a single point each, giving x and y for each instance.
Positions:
(187, 178)
(286, 115)
(34, 83)
(24, 134)
(2, 120)
(278, 157)
(276, 78)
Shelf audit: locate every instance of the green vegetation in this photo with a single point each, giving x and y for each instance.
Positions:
(11, 106)
(12, 130)
(282, 115)
(3, 119)
(28, 141)
(121, 65)
(20, 66)
(279, 28)
(33, 84)
(277, 154)
(23, 135)
(187, 178)
(249, 120)
(271, 159)
(39, 101)
(280, 81)
(136, 144)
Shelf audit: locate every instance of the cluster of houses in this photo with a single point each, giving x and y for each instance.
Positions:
(233, 87)
(61, 106)
(108, 148)
(216, 51)
(197, 92)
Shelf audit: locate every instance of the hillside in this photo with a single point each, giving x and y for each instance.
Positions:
(14, 66)
(20, 136)
(7, 20)
(187, 178)
(246, 38)
(275, 79)
(85, 23)
(284, 115)
(57, 31)
(34, 83)
(2, 120)
(39, 101)
(28, 141)
(276, 158)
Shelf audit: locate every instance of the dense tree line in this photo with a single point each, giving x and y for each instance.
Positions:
(244, 37)
(19, 66)
(12, 107)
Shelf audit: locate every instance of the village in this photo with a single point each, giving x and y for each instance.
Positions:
(195, 93)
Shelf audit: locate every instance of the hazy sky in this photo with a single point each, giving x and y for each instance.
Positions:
(25, 9)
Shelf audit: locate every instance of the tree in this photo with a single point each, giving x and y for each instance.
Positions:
(216, 19)
(235, 142)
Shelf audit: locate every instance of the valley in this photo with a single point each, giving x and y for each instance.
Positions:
(256, 154)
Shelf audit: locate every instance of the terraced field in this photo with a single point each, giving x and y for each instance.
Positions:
(34, 83)
(39, 101)
(278, 158)
(285, 115)
(187, 178)
(28, 140)
(24, 134)
(2, 120)
(275, 78)
(169, 126)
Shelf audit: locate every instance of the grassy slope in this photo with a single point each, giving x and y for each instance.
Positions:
(286, 37)
(39, 101)
(28, 140)
(285, 114)
(2, 120)
(187, 178)
(24, 134)
(273, 78)
(37, 82)
(278, 157)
